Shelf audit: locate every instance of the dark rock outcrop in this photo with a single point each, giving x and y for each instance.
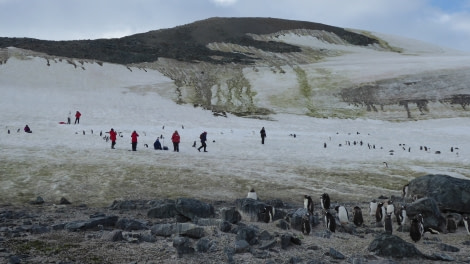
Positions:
(450, 193)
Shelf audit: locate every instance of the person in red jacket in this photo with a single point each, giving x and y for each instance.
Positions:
(175, 138)
(77, 117)
(112, 137)
(134, 140)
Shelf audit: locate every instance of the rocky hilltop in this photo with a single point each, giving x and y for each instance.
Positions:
(257, 66)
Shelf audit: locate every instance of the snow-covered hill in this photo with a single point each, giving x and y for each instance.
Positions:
(350, 158)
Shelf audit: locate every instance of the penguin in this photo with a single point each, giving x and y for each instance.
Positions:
(372, 207)
(451, 226)
(308, 203)
(325, 201)
(357, 216)
(330, 222)
(466, 223)
(388, 224)
(342, 214)
(390, 208)
(267, 214)
(417, 228)
(306, 224)
(252, 194)
(379, 214)
(401, 216)
(405, 190)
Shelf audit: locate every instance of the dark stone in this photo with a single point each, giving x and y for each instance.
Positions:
(448, 248)
(249, 234)
(430, 211)
(231, 215)
(265, 235)
(131, 224)
(450, 193)
(296, 218)
(225, 226)
(441, 256)
(39, 200)
(336, 254)
(123, 205)
(92, 224)
(208, 222)
(286, 240)
(190, 230)
(386, 245)
(203, 244)
(113, 236)
(250, 208)
(164, 230)
(268, 244)
(282, 224)
(164, 210)
(295, 260)
(192, 208)
(182, 245)
(229, 252)
(64, 201)
(39, 229)
(241, 246)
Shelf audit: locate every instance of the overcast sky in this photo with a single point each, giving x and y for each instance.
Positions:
(442, 22)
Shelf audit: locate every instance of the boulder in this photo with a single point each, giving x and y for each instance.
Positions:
(183, 245)
(250, 209)
(131, 224)
(164, 210)
(192, 208)
(230, 215)
(450, 193)
(430, 211)
(386, 245)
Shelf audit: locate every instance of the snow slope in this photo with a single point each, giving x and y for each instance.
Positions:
(75, 162)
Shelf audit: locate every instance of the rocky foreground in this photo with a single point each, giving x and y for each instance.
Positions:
(188, 230)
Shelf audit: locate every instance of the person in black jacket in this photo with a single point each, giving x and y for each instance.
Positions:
(263, 135)
(203, 138)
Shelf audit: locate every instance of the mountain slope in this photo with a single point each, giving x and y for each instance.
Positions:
(260, 66)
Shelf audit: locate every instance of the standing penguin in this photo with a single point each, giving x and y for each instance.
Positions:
(252, 194)
(342, 214)
(357, 216)
(267, 214)
(330, 222)
(390, 207)
(379, 213)
(308, 204)
(417, 228)
(373, 207)
(401, 216)
(451, 226)
(306, 224)
(325, 201)
(388, 224)
(405, 190)
(466, 221)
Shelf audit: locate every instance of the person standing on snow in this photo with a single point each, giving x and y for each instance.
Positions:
(175, 138)
(27, 129)
(203, 138)
(134, 136)
(77, 117)
(112, 137)
(69, 118)
(263, 135)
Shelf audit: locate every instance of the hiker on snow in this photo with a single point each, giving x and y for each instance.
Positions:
(157, 144)
(27, 129)
(263, 135)
(134, 140)
(203, 138)
(77, 117)
(112, 137)
(175, 138)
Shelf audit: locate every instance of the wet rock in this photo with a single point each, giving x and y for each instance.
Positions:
(231, 215)
(131, 224)
(164, 210)
(113, 236)
(249, 234)
(183, 245)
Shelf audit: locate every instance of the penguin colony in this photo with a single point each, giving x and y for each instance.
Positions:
(383, 212)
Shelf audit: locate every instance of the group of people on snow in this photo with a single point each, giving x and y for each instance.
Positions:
(175, 139)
